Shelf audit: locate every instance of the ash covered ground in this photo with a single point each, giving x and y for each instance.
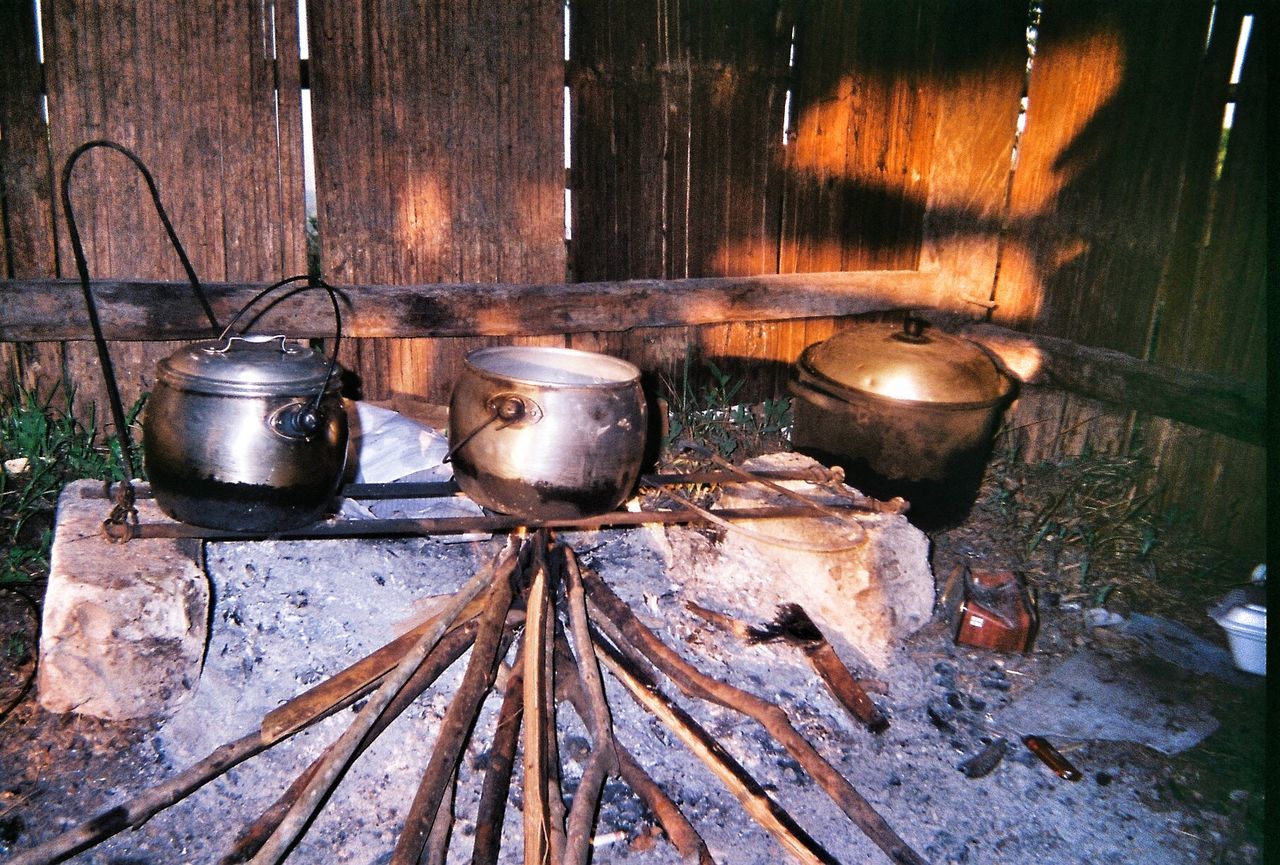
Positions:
(289, 613)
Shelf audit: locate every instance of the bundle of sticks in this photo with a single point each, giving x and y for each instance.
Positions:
(560, 624)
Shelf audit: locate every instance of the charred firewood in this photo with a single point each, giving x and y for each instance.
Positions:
(680, 831)
(342, 751)
(762, 808)
(498, 767)
(456, 726)
(695, 684)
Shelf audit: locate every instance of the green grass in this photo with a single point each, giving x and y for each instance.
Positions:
(708, 414)
(43, 446)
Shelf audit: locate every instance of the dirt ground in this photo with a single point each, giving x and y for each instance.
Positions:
(58, 769)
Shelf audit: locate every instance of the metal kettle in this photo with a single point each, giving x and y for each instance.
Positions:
(246, 433)
(243, 433)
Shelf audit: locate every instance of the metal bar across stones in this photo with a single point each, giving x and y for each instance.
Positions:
(465, 525)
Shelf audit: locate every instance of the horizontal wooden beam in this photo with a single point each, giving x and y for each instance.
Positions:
(53, 310)
(1223, 405)
(34, 310)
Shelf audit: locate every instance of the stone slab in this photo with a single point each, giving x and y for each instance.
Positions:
(866, 583)
(125, 625)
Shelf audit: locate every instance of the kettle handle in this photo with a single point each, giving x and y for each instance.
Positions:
(305, 417)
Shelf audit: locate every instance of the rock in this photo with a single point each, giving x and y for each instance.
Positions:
(125, 625)
(865, 597)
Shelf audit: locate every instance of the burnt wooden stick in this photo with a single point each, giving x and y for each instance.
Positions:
(357, 678)
(694, 683)
(603, 759)
(437, 848)
(680, 831)
(539, 720)
(498, 767)
(794, 627)
(723, 621)
(146, 804)
(294, 822)
(456, 726)
(304, 710)
(895, 505)
(845, 687)
(848, 689)
(441, 658)
(762, 808)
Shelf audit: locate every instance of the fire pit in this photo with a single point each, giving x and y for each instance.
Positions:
(284, 617)
(514, 598)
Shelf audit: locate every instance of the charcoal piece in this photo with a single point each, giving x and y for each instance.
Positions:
(946, 675)
(941, 715)
(995, 680)
(985, 761)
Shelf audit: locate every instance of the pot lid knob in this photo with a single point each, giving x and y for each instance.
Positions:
(912, 330)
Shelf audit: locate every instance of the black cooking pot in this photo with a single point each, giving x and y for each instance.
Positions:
(903, 412)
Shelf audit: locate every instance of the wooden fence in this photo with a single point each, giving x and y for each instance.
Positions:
(711, 140)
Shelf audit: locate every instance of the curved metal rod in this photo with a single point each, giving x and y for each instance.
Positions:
(82, 268)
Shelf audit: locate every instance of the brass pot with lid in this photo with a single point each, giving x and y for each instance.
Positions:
(903, 411)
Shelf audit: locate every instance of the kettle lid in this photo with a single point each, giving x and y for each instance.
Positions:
(247, 365)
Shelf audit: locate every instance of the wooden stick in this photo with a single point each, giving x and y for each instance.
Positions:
(304, 710)
(768, 813)
(603, 759)
(146, 804)
(437, 847)
(846, 689)
(456, 726)
(723, 621)
(441, 658)
(497, 773)
(680, 831)
(793, 626)
(357, 678)
(278, 845)
(696, 684)
(538, 715)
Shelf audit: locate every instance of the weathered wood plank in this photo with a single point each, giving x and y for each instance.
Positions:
(1094, 198)
(1216, 316)
(145, 310)
(1210, 484)
(26, 177)
(596, 312)
(1221, 322)
(193, 90)
(676, 163)
(439, 157)
(978, 79)
(24, 153)
(862, 137)
(1227, 405)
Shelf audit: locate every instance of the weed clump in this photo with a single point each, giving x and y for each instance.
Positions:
(43, 445)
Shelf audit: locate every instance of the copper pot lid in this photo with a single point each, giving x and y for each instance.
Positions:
(905, 363)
